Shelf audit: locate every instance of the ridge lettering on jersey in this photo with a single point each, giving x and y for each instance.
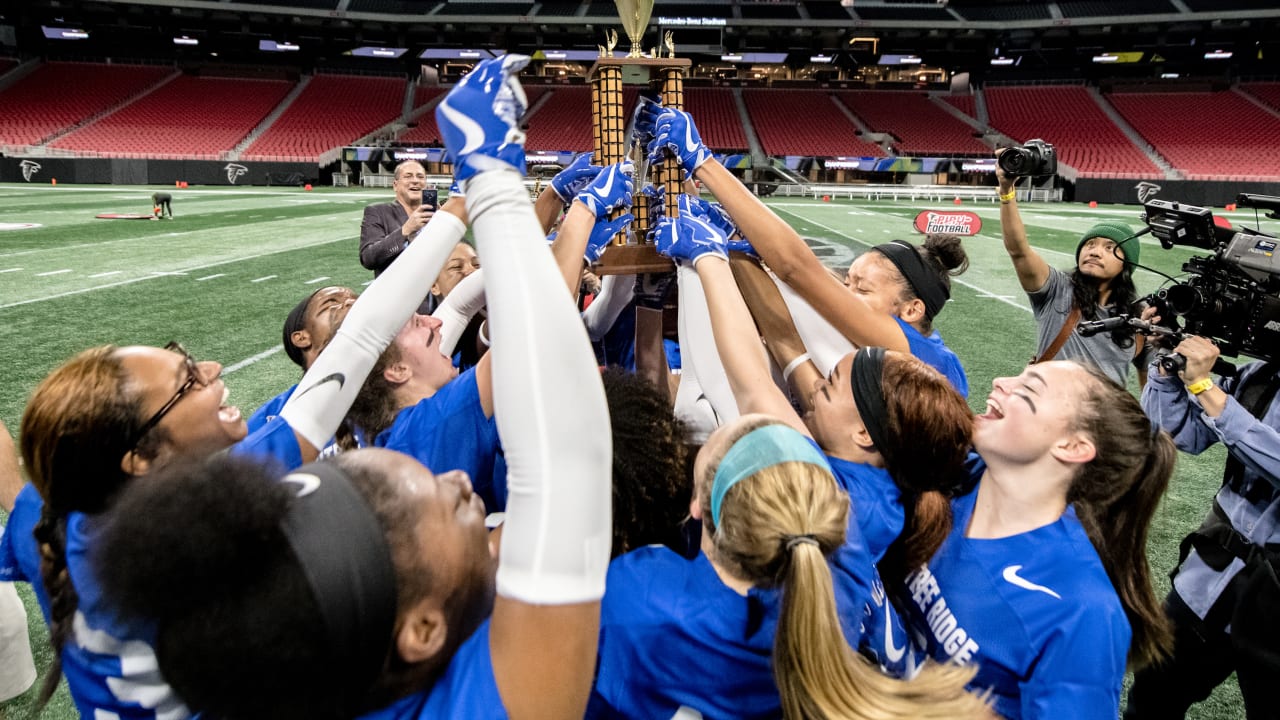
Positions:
(953, 639)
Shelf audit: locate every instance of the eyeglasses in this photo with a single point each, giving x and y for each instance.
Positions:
(193, 378)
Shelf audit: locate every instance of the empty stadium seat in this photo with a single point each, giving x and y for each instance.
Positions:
(1268, 93)
(330, 112)
(1208, 136)
(189, 117)
(805, 122)
(39, 105)
(922, 128)
(1071, 119)
(563, 122)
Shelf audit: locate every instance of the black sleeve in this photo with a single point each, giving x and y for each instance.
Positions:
(381, 240)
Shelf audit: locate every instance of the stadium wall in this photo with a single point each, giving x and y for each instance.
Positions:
(124, 171)
(1205, 193)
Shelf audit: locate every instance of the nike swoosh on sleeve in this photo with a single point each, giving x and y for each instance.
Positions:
(1011, 576)
(333, 377)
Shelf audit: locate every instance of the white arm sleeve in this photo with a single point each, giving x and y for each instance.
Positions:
(458, 308)
(825, 344)
(330, 386)
(698, 346)
(550, 408)
(616, 292)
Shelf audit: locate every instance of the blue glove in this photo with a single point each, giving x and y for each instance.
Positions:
(675, 132)
(604, 231)
(574, 179)
(480, 118)
(715, 214)
(689, 238)
(642, 120)
(612, 188)
(455, 189)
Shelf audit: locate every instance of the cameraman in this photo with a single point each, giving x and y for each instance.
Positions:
(1100, 286)
(1225, 602)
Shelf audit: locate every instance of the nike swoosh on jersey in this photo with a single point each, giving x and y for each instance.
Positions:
(337, 377)
(306, 482)
(1012, 577)
(894, 654)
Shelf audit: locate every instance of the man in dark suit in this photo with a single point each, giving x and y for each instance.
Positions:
(387, 228)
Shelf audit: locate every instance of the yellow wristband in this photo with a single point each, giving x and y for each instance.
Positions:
(1006, 198)
(1199, 386)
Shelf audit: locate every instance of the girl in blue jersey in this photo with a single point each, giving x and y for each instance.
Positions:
(111, 415)
(749, 627)
(369, 582)
(901, 440)
(897, 288)
(1043, 582)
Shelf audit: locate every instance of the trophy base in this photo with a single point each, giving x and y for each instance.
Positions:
(632, 260)
(644, 61)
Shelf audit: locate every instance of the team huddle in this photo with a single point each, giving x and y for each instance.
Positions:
(457, 512)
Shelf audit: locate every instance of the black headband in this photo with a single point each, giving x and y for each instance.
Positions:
(868, 396)
(295, 321)
(343, 554)
(924, 281)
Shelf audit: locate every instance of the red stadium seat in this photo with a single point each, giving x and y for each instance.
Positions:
(805, 122)
(39, 105)
(922, 128)
(331, 111)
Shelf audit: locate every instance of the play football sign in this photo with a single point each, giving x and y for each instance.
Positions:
(948, 222)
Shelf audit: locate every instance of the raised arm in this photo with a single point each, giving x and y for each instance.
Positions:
(328, 388)
(551, 414)
(1032, 270)
(777, 243)
(693, 240)
(586, 229)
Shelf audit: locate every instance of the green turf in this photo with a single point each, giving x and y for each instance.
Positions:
(287, 239)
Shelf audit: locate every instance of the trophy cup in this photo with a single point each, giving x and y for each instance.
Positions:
(609, 134)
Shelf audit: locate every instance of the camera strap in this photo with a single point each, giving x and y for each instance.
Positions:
(1073, 318)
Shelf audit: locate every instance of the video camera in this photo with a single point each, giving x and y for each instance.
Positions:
(1231, 296)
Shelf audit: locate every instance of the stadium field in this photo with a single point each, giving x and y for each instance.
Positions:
(222, 274)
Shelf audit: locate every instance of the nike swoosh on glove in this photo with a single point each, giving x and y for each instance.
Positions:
(479, 119)
(574, 179)
(612, 188)
(674, 132)
(604, 231)
(689, 238)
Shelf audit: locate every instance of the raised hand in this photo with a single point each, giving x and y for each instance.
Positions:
(479, 119)
(675, 133)
(642, 120)
(604, 231)
(691, 236)
(612, 188)
(574, 179)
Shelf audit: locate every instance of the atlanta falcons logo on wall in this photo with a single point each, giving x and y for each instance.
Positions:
(1146, 191)
(234, 171)
(29, 168)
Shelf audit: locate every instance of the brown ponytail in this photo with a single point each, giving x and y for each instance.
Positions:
(1115, 496)
(777, 528)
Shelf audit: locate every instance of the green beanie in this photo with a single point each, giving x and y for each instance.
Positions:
(1118, 233)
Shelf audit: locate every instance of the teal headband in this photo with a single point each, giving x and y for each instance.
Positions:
(761, 448)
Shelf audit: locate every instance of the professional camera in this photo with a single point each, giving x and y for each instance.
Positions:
(1231, 297)
(1036, 158)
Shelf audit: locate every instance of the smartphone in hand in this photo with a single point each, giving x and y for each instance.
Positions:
(431, 199)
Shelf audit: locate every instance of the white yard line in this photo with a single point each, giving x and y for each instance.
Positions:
(107, 274)
(210, 277)
(219, 263)
(316, 280)
(251, 360)
(53, 272)
(267, 277)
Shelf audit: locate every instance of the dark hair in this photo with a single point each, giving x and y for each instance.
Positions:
(650, 486)
(1085, 294)
(1115, 496)
(198, 549)
(931, 426)
(75, 432)
(945, 255)
(374, 408)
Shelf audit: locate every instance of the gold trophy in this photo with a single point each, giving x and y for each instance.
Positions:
(609, 134)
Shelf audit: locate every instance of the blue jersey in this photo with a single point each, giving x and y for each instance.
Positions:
(467, 689)
(877, 503)
(109, 663)
(449, 431)
(935, 353)
(1035, 611)
(110, 667)
(269, 410)
(673, 636)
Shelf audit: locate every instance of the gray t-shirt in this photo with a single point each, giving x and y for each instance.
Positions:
(1051, 305)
